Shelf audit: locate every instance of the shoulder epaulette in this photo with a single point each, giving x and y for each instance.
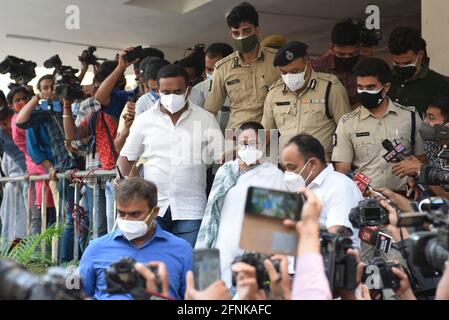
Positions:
(408, 108)
(350, 115)
(226, 59)
(275, 84)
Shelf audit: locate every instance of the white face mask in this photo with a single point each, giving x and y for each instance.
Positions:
(173, 102)
(249, 154)
(294, 81)
(133, 229)
(295, 181)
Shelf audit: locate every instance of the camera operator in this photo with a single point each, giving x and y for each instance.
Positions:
(47, 115)
(138, 236)
(248, 284)
(423, 288)
(18, 96)
(100, 128)
(112, 99)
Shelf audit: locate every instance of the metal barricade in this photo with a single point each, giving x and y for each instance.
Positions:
(60, 205)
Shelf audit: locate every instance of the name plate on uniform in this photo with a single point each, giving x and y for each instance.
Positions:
(230, 83)
(283, 103)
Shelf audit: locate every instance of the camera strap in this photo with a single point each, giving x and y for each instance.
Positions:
(326, 100)
(413, 131)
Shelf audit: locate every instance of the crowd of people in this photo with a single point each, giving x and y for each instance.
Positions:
(190, 139)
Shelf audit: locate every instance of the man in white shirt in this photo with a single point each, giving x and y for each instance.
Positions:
(214, 53)
(223, 218)
(304, 161)
(176, 139)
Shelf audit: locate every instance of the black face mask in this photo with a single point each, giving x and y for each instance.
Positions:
(346, 64)
(405, 72)
(371, 100)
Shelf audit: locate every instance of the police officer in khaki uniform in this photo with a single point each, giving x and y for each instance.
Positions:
(246, 74)
(304, 101)
(359, 136)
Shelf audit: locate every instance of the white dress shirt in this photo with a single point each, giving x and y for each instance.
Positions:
(339, 195)
(175, 156)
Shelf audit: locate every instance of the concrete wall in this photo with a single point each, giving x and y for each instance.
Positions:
(435, 30)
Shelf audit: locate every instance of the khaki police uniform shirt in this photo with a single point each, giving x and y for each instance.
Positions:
(359, 139)
(293, 113)
(246, 86)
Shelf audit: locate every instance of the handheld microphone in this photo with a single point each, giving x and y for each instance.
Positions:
(375, 237)
(395, 152)
(363, 183)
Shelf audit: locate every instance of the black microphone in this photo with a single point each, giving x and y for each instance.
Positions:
(395, 152)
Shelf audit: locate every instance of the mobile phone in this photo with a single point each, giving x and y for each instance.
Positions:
(136, 53)
(206, 267)
(274, 203)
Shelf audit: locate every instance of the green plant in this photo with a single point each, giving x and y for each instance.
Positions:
(28, 251)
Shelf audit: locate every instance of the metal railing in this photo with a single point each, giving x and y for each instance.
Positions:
(61, 211)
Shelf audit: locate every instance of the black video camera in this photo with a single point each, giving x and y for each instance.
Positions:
(20, 70)
(435, 176)
(429, 250)
(340, 267)
(368, 38)
(122, 277)
(89, 56)
(16, 283)
(369, 213)
(256, 260)
(67, 85)
(379, 275)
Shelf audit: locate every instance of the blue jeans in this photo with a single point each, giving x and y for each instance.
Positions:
(67, 194)
(185, 229)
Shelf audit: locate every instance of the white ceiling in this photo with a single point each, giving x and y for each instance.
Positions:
(174, 25)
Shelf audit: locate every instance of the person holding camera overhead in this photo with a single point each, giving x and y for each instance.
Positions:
(139, 237)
